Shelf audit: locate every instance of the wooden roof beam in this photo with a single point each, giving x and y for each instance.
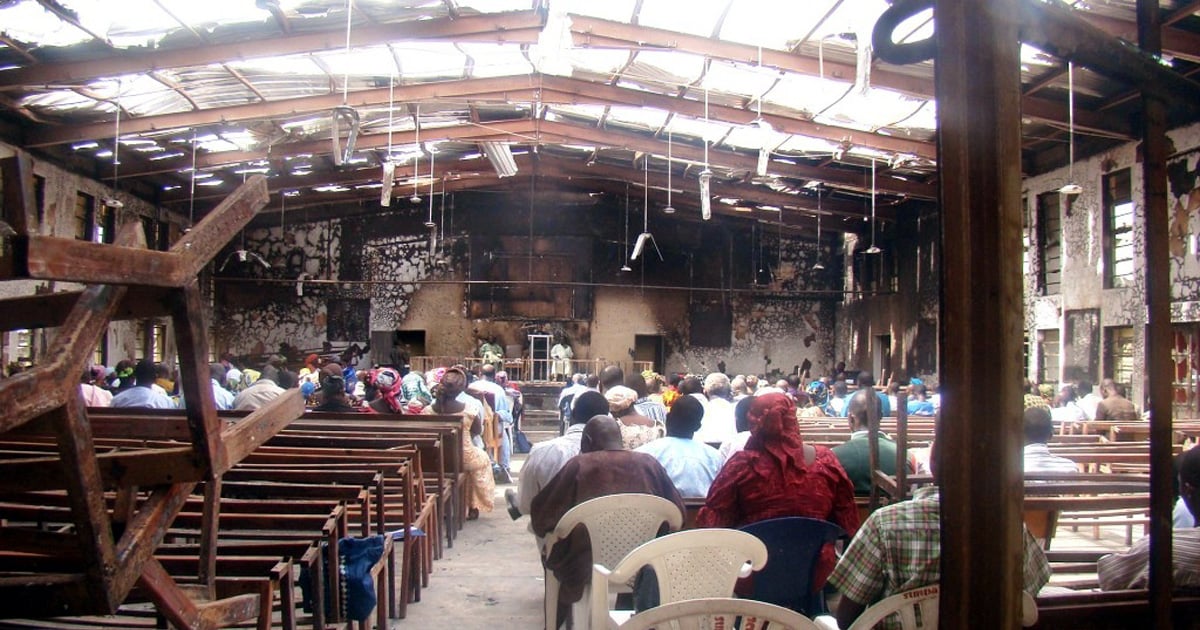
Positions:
(590, 32)
(527, 131)
(598, 33)
(516, 26)
(554, 90)
(1175, 42)
(840, 178)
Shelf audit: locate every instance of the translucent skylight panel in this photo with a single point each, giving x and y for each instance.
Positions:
(60, 102)
(496, 60)
(585, 111)
(645, 117)
(804, 93)
(807, 144)
(138, 23)
(598, 61)
(877, 108)
(206, 16)
(494, 6)
(697, 128)
(615, 10)
(286, 65)
(29, 22)
(749, 137)
(741, 79)
(695, 17)
(373, 61)
(858, 17)
(1033, 58)
(140, 94)
(220, 92)
(680, 67)
(429, 60)
(770, 23)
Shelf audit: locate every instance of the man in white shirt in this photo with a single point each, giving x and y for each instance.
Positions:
(1039, 428)
(547, 458)
(719, 424)
(142, 394)
(1088, 400)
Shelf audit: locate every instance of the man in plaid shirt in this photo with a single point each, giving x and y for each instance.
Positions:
(898, 548)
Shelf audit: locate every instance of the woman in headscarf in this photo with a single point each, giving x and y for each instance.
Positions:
(480, 483)
(636, 429)
(386, 383)
(778, 475)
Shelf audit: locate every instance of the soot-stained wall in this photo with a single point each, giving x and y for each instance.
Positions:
(60, 192)
(337, 280)
(899, 303)
(1083, 256)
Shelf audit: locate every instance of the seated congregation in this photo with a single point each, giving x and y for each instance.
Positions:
(797, 467)
(764, 470)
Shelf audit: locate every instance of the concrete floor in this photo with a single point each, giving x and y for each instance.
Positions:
(492, 578)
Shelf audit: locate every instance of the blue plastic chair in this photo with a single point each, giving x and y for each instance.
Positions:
(793, 545)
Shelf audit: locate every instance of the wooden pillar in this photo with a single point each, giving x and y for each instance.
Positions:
(1159, 369)
(979, 441)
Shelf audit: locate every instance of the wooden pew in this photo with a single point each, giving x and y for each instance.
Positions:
(1115, 610)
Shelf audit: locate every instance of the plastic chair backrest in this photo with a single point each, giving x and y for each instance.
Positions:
(926, 599)
(907, 605)
(694, 563)
(618, 523)
(719, 612)
(794, 544)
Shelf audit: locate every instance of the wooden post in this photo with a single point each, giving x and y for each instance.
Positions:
(901, 447)
(1159, 368)
(19, 202)
(979, 442)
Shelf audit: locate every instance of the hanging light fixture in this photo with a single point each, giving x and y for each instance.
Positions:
(432, 155)
(873, 249)
(112, 201)
(344, 114)
(416, 198)
(625, 266)
(645, 236)
(1071, 188)
(669, 209)
(762, 133)
(389, 168)
(818, 266)
(705, 175)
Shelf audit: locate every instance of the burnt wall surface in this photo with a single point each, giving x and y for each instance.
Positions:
(499, 265)
(1086, 260)
(888, 321)
(59, 193)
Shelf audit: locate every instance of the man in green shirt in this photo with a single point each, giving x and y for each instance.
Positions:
(854, 454)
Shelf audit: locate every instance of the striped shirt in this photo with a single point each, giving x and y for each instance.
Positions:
(899, 548)
(1131, 569)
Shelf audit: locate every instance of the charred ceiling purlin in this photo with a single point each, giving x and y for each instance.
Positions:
(523, 131)
(515, 26)
(548, 90)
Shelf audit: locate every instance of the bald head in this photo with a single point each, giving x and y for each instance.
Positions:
(862, 404)
(611, 376)
(601, 433)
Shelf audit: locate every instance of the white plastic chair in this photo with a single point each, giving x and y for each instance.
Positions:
(719, 612)
(926, 600)
(616, 524)
(691, 564)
